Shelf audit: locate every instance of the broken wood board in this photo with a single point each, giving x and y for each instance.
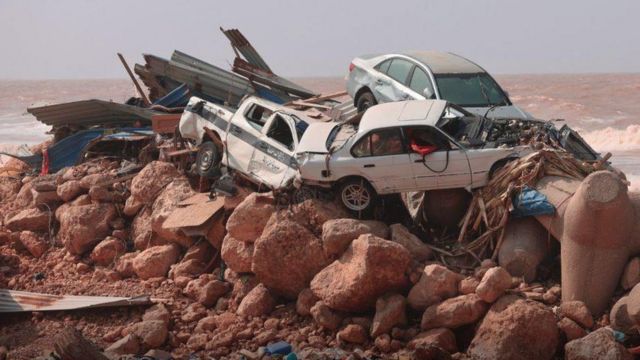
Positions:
(195, 214)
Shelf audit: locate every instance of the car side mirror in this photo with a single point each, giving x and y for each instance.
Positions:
(427, 93)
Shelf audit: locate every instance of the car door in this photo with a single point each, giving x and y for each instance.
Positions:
(273, 161)
(392, 86)
(383, 159)
(243, 134)
(419, 84)
(445, 167)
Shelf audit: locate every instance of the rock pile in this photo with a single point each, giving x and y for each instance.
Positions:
(304, 273)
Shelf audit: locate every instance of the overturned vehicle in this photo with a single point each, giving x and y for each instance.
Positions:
(398, 147)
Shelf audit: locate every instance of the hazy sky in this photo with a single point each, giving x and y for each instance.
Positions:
(80, 38)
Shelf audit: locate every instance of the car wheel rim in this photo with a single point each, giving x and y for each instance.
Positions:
(206, 160)
(356, 197)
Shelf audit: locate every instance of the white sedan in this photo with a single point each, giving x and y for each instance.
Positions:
(402, 147)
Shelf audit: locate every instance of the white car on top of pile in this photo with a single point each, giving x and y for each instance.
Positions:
(402, 147)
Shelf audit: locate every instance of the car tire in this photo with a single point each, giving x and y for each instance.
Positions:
(208, 160)
(365, 101)
(357, 196)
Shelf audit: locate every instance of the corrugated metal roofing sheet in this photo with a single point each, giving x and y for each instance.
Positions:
(20, 301)
(241, 44)
(91, 112)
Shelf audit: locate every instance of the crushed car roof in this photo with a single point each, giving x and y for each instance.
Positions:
(413, 112)
(444, 62)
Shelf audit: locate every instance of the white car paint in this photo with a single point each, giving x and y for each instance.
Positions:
(386, 89)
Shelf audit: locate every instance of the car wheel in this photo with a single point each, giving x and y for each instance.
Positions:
(208, 160)
(357, 195)
(365, 101)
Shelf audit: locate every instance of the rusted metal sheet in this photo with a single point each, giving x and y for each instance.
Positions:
(91, 112)
(12, 301)
(165, 124)
(194, 215)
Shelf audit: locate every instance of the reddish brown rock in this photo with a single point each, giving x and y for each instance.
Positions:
(155, 261)
(90, 180)
(187, 268)
(217, 232)
(337, 234)
(132, 206)
(129, 344)
(34, 243)
(206, 291)
(600, 344)
(141, 233)
(494, 283)
(354, 334)
(9, 187)
(306, 300)
(325, 316)
(390, 312)
(157, 312)
(515, 328)
(50, 198)
(570, 329)
(152, 333)
(250, 217)
(436, 284)
(369, 268)
(163, 206)
(578, 312)
(70, 190)
(440, 337)
(107, 251)
(238, 255)
(258, 302)
(193, 312)
(103, 194)
(124, 264)
(383, 343)
(418, 249)
(286, 257)
(82, 227)
(205, 324)
(468, 285)
(454, 312)
(31, 219)
(151, 180)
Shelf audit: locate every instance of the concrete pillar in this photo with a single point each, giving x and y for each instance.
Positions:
(595, 222)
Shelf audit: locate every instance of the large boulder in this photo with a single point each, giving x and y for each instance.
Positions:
(206, 290)
(151, 180)
(250, 217)
(419, 250)
(337, 234)
(163, 206)
(453, 313)
(238, 255)
(516, 328)
(370, 267)
(286, 257)
(155, 261)
(31, 219)
(82, 227)
(9, 187)
(436, 284)
(141, 232)
(440, 337)
(600, 344)
(152, 333)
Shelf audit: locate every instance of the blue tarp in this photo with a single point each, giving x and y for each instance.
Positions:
(531, 202)
(68, 151)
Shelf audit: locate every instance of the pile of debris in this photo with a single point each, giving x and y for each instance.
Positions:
(302, 278)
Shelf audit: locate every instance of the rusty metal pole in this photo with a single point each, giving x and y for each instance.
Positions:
(135, 82)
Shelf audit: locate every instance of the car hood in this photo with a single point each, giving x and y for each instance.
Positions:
(502, 112)
(315, 137)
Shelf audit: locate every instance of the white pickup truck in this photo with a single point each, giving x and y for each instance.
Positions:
(258, 140)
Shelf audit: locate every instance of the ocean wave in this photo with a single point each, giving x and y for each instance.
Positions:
(614, 139)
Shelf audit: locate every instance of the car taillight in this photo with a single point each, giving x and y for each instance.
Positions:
(351, 66)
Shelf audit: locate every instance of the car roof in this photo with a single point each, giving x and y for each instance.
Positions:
(444, 62)
(402, 113)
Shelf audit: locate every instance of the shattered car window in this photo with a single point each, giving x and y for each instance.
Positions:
(280, 132)
(257, 116)
(470, 90)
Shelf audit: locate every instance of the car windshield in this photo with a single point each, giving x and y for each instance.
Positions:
(471, 90)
